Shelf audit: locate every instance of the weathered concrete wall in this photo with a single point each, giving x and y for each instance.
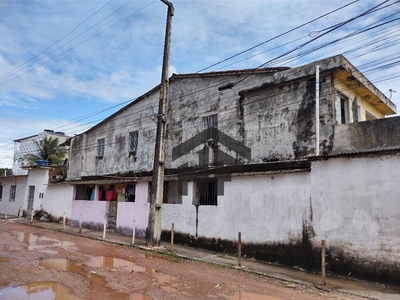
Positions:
(138, 211)
(278, 207)
(92, 213)
(20, 183)
(83, 160)
(382, 133)
(356, 209)
(58, 199)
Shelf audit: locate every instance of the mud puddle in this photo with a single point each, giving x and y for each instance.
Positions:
(42, 243)
(38, 291)
(167, 283)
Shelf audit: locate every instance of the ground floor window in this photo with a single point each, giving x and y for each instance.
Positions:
(172, 192)
(208, 192)
(84, 192)
(13, 190)
(1, 192)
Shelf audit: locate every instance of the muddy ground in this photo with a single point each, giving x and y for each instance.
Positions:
(42, 264)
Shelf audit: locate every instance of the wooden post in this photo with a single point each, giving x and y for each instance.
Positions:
(133, 232)
(323, 262)
(32, 216)
(105, 225)
(80, 223)
(239, 249)
(64, 220)
(172, 237)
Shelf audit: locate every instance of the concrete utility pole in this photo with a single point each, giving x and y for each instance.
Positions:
(157, 189)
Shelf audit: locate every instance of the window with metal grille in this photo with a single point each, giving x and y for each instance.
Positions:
(100, 147)
(210, 124)
(133, 142)
(208, 192)
(1, 192)
(13, 189)
(171, 192)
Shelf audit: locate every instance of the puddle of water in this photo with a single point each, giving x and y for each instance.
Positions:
(38, 291)
(39, 243)
(167, 283)
(5, 259)
(250, 296)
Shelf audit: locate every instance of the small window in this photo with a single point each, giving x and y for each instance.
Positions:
(100, 147)
(130, 193)
(210, 124)
(342, 109)
(1, 192)
(172, 193)
(208, 192)
(133, 142)
(13, 189)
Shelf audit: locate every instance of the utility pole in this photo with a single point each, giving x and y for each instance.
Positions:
(153, 237)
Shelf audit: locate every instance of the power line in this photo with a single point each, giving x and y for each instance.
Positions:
(59, 40)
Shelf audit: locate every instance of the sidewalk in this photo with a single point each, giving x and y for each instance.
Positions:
(349, 286)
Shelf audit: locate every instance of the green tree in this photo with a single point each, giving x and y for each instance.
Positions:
(48, 149)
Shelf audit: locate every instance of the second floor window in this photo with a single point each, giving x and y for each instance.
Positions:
(100, 147)
(133, 141)
(342, 109)
(210, 123)
(13, 189)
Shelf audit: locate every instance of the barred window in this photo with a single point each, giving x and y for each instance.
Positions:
(100, 147)
(210, 124)
(133, 141)
(13, 189)
(208, 192)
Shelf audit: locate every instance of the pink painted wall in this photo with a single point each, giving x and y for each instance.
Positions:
(138, 211)
(93, 213)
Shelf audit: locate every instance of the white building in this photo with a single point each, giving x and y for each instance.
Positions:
(28, 145)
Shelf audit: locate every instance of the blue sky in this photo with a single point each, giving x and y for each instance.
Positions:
(61, 60)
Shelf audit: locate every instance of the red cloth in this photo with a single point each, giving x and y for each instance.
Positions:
(111, 195)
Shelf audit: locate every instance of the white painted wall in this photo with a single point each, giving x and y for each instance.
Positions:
(356, 204)
(20, 183)
(39, 178)
(58, 199)
(263, 208)
(182, 215)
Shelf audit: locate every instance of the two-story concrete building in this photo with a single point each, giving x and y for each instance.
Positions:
(247, 152)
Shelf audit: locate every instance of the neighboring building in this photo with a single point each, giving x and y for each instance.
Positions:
(28, 145)
(41, 189)
(244, 159)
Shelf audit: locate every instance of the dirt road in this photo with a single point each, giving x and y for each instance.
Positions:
(42, 264)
